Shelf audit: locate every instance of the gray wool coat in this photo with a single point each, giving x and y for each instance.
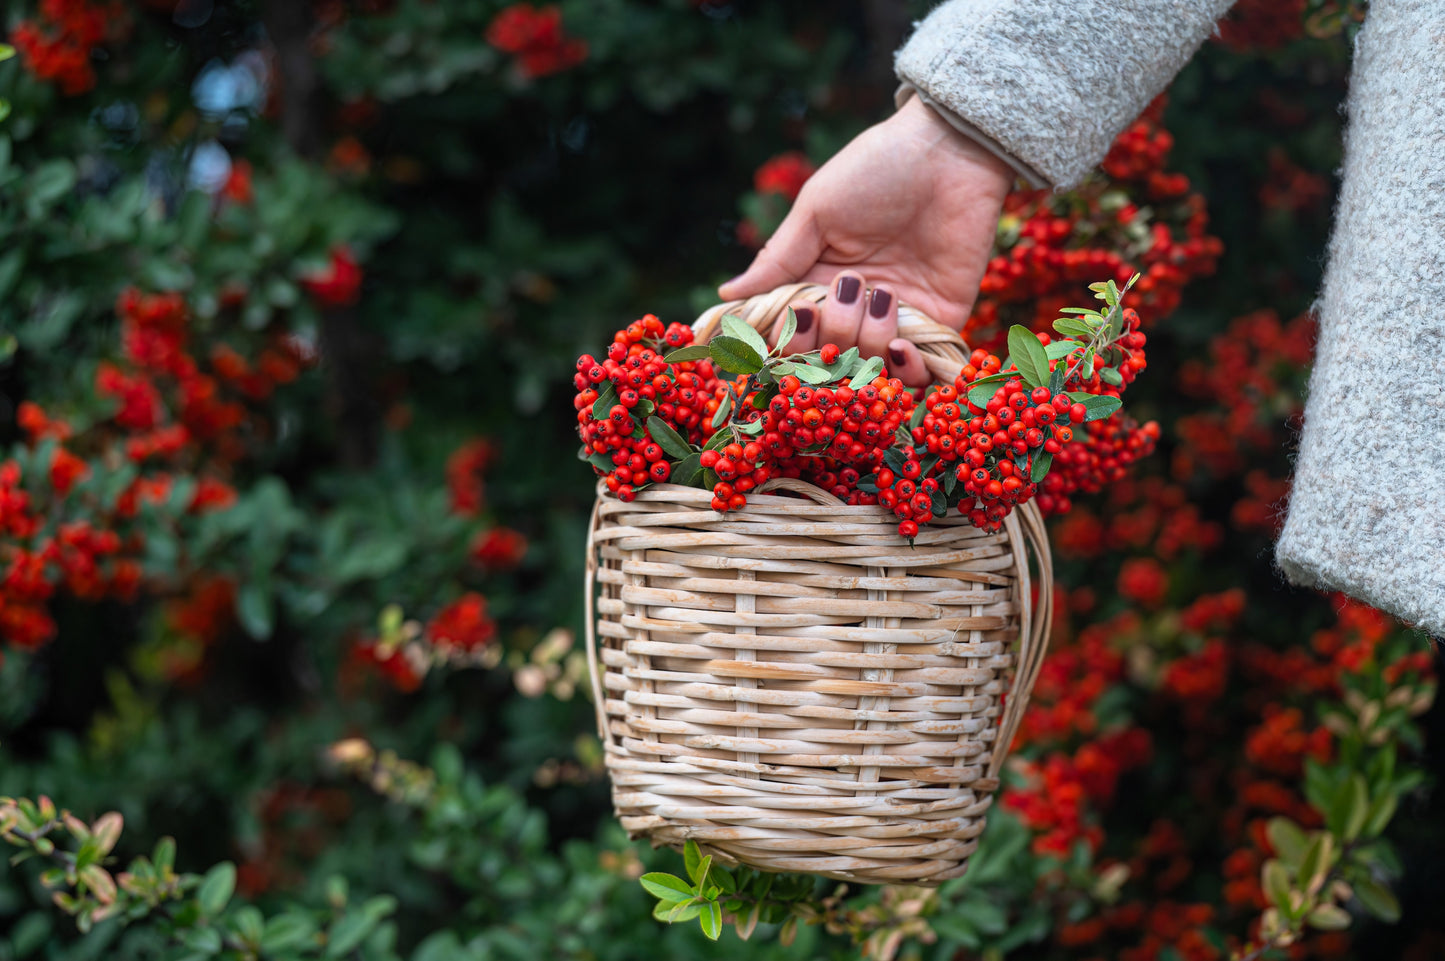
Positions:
(1048, 84)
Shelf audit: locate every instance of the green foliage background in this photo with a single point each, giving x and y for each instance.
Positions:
(505, 225)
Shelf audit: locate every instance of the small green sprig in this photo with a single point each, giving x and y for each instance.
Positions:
(745, 897)
(196, 911)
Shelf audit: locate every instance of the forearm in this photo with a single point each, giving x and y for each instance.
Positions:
(1049, 84)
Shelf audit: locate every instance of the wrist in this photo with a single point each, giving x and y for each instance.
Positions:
(958, 140)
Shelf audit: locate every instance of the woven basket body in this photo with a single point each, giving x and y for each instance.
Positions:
(796, 688)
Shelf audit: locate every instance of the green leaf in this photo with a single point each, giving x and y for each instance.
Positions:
(606, 400)
(723, 879)
(254, 609)
(1274, 879)
(735, 327)
(871, 368)
(1028, 355)
(711, 920)
(1042, 462)
(1350, 808)
(723, 410)
(287, 931)
(1381, 811)
(600, 461)
(956, 930)
(51, 181)
(1111, 376)
(204, 941)
(699, 871)
(666, 887)
(690, 352)
(1071, 327)
(1060, 349)
(249, 923)
(811, 375)
(691, 859)
(1086, 366)
(983, 915)
(1377, 899)
(6, 51)
(677, 912)
(667, 438)
(980, 394)
(1318, 858)
(1329, 917)
(164, 856)
(790, 327)
(1100, 406)
(1116, 319)
(734, 356)
(1083, 312)
(1056, 379)
(348, 933)
(1288, 840)
(688, 471)
(216, 889)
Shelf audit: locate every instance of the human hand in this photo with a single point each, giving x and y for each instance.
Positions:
(912, 204)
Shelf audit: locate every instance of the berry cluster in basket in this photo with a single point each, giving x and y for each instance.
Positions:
(735, 413)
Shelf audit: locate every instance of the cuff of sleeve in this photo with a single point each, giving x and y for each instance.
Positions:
(906, 91)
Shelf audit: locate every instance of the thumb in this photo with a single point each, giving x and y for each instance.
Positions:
(786, 257)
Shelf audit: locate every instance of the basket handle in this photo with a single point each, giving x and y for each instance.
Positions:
(943, 349)
(1036, 621)
(589, 625)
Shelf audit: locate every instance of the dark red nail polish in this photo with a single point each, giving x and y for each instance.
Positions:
(848, 289)
(805, 318)
(880, 303)
(896, 358)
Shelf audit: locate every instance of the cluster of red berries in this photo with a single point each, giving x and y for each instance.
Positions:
(534, 35)
(1051, 245)
(996, 438)
(338, 284)
(58, 46)
(633, 381)
(828, 435)
(62, 526)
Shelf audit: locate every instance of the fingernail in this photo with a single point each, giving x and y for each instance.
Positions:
(729, 283)
(896, 358)
(848, 288)
(880, 303)
(805, 318)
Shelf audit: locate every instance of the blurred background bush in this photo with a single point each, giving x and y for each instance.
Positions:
(292, 529)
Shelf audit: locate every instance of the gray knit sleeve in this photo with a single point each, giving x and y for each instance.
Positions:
(1053, 82)
(1367, 509)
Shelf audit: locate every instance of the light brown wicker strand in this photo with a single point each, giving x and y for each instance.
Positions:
(794, 688)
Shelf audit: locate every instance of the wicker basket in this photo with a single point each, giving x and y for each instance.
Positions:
(794, 687)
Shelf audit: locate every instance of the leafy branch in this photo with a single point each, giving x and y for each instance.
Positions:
(194, 910)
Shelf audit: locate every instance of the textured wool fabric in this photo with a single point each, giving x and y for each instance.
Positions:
(1367, 512)
(1053, 82)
